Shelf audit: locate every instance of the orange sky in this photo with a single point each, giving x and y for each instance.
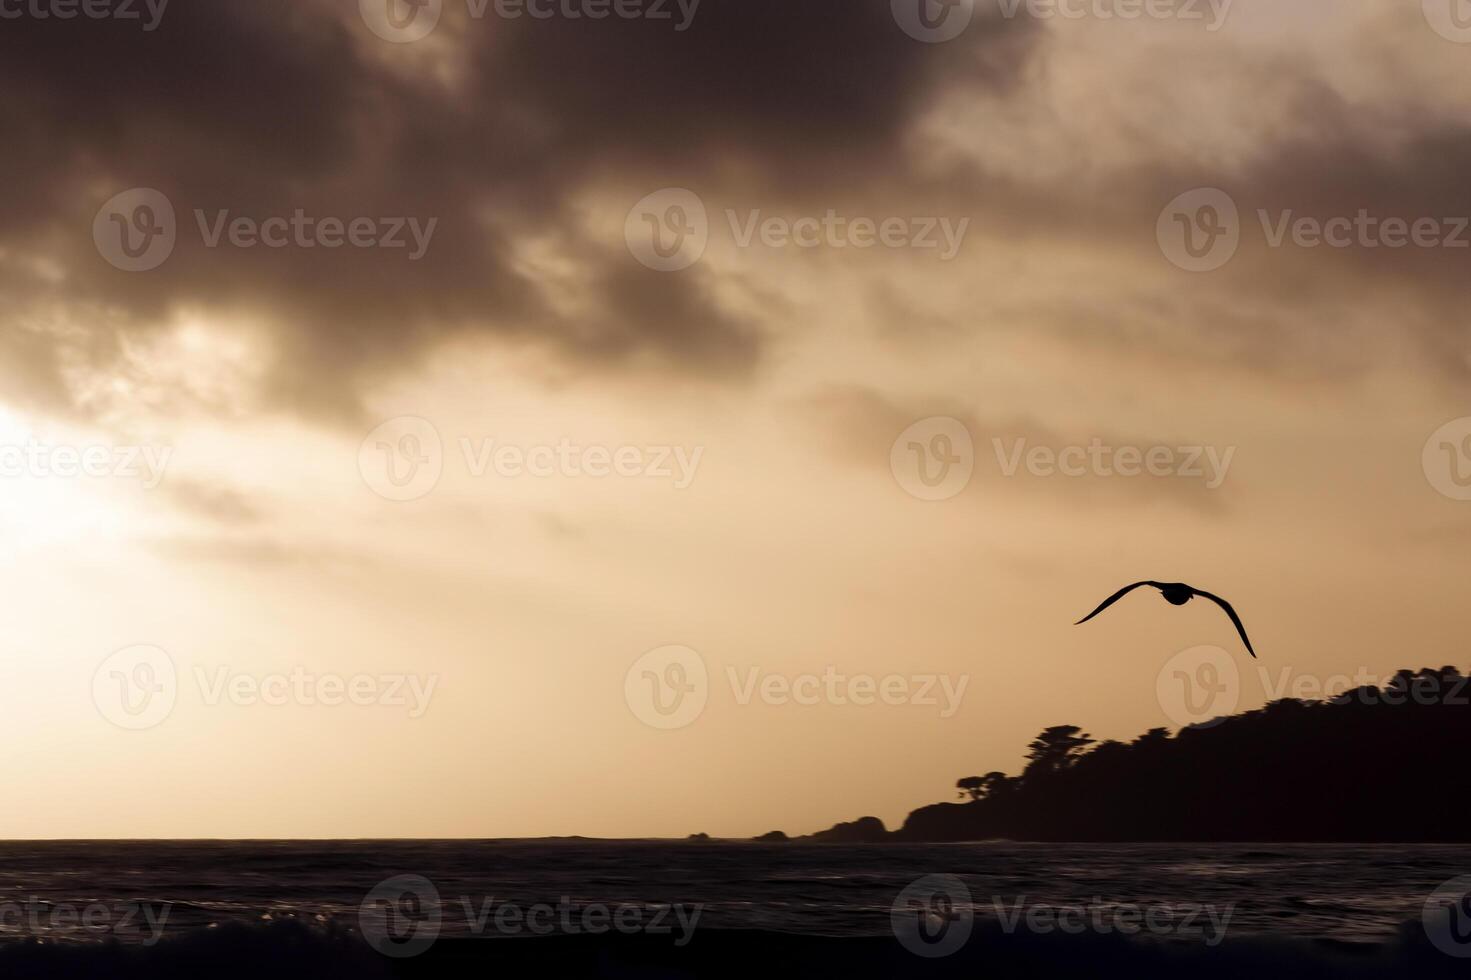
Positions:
(616, 459)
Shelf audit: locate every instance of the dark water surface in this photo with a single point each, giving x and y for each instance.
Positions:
(1340, 892)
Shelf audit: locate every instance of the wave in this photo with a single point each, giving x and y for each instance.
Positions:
(287, 950)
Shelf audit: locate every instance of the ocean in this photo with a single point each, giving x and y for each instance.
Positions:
(134, 892)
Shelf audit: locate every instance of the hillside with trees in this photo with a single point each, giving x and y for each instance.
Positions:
(1369, 765)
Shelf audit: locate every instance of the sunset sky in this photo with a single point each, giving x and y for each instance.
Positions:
(781, 375)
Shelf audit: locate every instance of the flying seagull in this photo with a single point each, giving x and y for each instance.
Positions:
(1176, 594)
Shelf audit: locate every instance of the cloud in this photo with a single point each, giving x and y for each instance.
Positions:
(526, 141)
(257, 110)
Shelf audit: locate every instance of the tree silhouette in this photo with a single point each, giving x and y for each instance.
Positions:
(1366, 765)
(981, 787)
(1055, 750)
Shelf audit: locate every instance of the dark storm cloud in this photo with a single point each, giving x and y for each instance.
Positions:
(262, 108)
(1305, 151)
(1281, 302)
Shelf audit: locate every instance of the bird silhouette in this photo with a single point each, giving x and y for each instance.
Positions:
(1176, 594)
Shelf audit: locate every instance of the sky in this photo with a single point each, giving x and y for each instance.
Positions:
(502, 420)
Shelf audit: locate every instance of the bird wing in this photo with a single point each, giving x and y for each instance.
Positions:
(1112, 599)
(1235, 619)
